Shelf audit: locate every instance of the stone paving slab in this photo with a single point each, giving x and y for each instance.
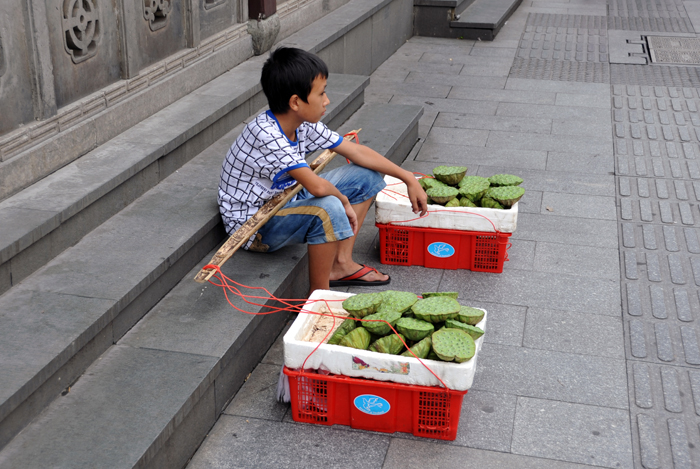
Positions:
(235, 442)
(407, 453)
(540, 289)
(515, 158)
(456, 80)
(554, 376)
(476, 121)
(566, 230)
(572, 432)
(579, 333)
(108, 397)
(586, 162)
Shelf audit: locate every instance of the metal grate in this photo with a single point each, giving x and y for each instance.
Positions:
(674, 50)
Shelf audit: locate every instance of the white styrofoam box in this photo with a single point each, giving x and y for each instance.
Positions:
(392, 205)
(365, 364)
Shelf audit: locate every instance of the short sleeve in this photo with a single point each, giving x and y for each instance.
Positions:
(276, 155)
(318, 136)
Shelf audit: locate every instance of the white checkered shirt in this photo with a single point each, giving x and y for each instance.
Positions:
(256, 165)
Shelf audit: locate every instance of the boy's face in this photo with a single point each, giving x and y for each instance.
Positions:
(315, 108)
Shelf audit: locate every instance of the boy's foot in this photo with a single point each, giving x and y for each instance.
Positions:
(365, 276)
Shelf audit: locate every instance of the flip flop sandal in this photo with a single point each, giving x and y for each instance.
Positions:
(354, 280)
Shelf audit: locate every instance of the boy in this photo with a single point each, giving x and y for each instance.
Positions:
(269, 156)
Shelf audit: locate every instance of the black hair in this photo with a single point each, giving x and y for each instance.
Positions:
(288, 72)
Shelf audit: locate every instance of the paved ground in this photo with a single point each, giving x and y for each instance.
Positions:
(591, 353)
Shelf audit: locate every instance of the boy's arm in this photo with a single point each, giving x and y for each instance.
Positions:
(370, 159)
(319, 187)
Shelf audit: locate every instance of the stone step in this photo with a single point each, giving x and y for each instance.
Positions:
(59, 319)
(484, 18)
(53, 214)
(150, 399)
(464, 19)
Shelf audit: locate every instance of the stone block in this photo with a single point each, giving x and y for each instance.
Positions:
(509, 96)
(570, 259)
(95, 55)
(513, 158)
(538, 289)
(391, 28)
(257, 398)
(115, 397)
(358, 49)
(422, 453)
(567, 230)
(600, 101)
(486, 421)
(467, 81)
(41, 361)
(215, 16)
(457, 137)
(592, 163)
(555, 376)
(566, 431)
(581, 333)
(15, 87)
(503, 123)
(574, 205)
(334, 56)
(293, 445)
(5, 278)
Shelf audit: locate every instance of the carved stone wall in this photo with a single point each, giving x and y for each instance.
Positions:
(15, 70)
(54, 53)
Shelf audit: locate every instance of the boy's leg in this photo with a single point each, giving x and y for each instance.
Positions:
(343, 264)
(359, 185)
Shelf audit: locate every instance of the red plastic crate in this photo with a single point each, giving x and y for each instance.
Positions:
(381, 406)
(443, 249)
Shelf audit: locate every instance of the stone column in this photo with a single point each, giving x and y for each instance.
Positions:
(43, 94)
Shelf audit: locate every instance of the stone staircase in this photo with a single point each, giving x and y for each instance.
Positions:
(464, 19)
(111, 355)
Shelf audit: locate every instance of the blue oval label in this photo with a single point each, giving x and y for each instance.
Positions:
(441, 250)
(371, 404)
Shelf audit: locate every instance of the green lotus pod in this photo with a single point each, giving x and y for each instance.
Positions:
(450, 175)
(469, 315)
(473, 331)
(345, 327)
(414, 329)
(381, 328)
(464, 202)
(475, 190)
(421, 349)
(453, 203)
(436, 309)
(505, 180)
(506, 195)
(466, 180)
(428, 182)
(451, 294)
(400, 301)
(488, 202)
(358, 338)
(390, 344)
(432, 355)
(453, 345)
(442, 195)
(362, 304)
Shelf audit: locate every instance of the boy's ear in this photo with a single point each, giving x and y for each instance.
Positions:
(294, 102)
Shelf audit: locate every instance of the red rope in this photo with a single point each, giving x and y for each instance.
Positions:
(231, 286)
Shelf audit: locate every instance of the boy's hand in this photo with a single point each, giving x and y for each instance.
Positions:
(418, 197)
(352, 217)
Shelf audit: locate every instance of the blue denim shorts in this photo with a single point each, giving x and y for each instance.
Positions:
(316, 220)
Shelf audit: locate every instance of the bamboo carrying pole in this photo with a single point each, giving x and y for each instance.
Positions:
(267, 211)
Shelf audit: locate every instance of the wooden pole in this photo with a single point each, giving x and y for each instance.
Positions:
(267, 211)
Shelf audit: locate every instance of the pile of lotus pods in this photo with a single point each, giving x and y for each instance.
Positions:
(450, 187)
(435, 327)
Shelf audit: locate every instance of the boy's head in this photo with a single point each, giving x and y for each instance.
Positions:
(288, 72)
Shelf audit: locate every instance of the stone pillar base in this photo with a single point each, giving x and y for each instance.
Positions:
(264, 33)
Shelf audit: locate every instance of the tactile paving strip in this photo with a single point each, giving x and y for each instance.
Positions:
(563, 48)
(656, 75)
(656, 131)
(665, 405)
(560, 70)
(649, 15)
